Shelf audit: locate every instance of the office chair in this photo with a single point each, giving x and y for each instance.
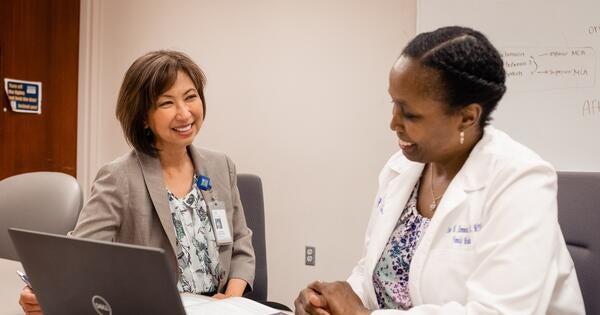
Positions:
(42, 201)
(579, 217)
(251, 195)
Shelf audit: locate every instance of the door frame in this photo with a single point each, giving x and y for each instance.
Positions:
(89, 98)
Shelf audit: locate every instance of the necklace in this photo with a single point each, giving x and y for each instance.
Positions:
(434, 200)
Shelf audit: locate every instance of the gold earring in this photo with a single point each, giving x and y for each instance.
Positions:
(462, 137)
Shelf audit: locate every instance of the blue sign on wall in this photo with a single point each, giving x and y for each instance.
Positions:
(24, 96)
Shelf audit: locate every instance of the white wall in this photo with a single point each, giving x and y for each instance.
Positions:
(296, 94)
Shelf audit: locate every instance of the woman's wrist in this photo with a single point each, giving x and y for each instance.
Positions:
(235, 287)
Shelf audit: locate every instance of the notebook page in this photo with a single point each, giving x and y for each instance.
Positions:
(230, 306)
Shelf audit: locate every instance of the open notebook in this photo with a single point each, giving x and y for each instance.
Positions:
(81, 276)
(199, 305)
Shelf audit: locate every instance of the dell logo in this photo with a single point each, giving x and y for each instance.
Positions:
(101, 305)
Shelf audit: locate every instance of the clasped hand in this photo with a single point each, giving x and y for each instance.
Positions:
(329, 298)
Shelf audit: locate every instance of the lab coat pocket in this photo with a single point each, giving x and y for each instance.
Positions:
(453, 267)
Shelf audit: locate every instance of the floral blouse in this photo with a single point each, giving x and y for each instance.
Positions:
(197, 253)
(390, 277)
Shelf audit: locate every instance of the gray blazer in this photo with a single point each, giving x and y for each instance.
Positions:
(129, 204)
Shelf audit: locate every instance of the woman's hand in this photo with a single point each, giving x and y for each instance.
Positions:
(340, 298)
(235, 287)
(29, 302)
(220, 296)
(311, 302)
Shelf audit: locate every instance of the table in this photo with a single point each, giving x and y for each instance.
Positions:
(10, 287)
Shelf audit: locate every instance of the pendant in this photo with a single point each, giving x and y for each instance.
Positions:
(433, 205)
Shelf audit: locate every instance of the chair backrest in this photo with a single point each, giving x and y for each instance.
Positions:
(41, 201)
(579, 217)
(251, 195)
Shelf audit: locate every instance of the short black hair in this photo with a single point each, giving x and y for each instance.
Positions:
(470, 68)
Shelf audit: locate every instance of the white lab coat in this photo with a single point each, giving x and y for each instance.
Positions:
(494, 245)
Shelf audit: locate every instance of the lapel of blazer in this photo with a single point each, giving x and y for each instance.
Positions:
(158, 194)
(200, 166)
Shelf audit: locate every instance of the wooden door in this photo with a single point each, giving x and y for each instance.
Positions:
(39, 41)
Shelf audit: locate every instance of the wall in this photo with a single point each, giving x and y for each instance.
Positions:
(296, 94)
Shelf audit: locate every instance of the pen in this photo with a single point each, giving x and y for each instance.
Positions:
(23, 277)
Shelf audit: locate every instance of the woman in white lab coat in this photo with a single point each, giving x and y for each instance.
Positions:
(465, 218)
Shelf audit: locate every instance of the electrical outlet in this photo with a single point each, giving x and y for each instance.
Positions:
(309, 255)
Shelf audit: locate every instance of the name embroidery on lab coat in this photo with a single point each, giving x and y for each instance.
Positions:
(461, 234)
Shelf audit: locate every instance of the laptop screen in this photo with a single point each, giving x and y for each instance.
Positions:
(81, 276)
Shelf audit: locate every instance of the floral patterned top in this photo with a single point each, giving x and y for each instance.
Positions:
(197, 254)
(390, 277)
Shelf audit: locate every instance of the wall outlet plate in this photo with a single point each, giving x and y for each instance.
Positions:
(309, 255)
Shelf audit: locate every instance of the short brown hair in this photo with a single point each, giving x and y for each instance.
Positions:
(146, 79)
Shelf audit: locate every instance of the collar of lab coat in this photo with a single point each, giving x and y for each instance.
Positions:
(470, 178)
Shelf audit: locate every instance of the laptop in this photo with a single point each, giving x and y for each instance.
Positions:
(80, 276)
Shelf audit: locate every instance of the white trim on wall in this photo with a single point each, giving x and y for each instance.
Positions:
(88, 118)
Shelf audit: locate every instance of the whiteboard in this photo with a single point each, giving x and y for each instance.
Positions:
(551, 53)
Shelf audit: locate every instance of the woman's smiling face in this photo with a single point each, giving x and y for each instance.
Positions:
(426, 129)
(177, 116)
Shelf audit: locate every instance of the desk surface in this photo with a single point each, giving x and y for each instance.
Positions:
(10, 287)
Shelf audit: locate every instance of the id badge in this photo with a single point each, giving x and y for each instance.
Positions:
(220, 224)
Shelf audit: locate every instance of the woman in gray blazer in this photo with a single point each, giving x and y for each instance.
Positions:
(166, 192)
